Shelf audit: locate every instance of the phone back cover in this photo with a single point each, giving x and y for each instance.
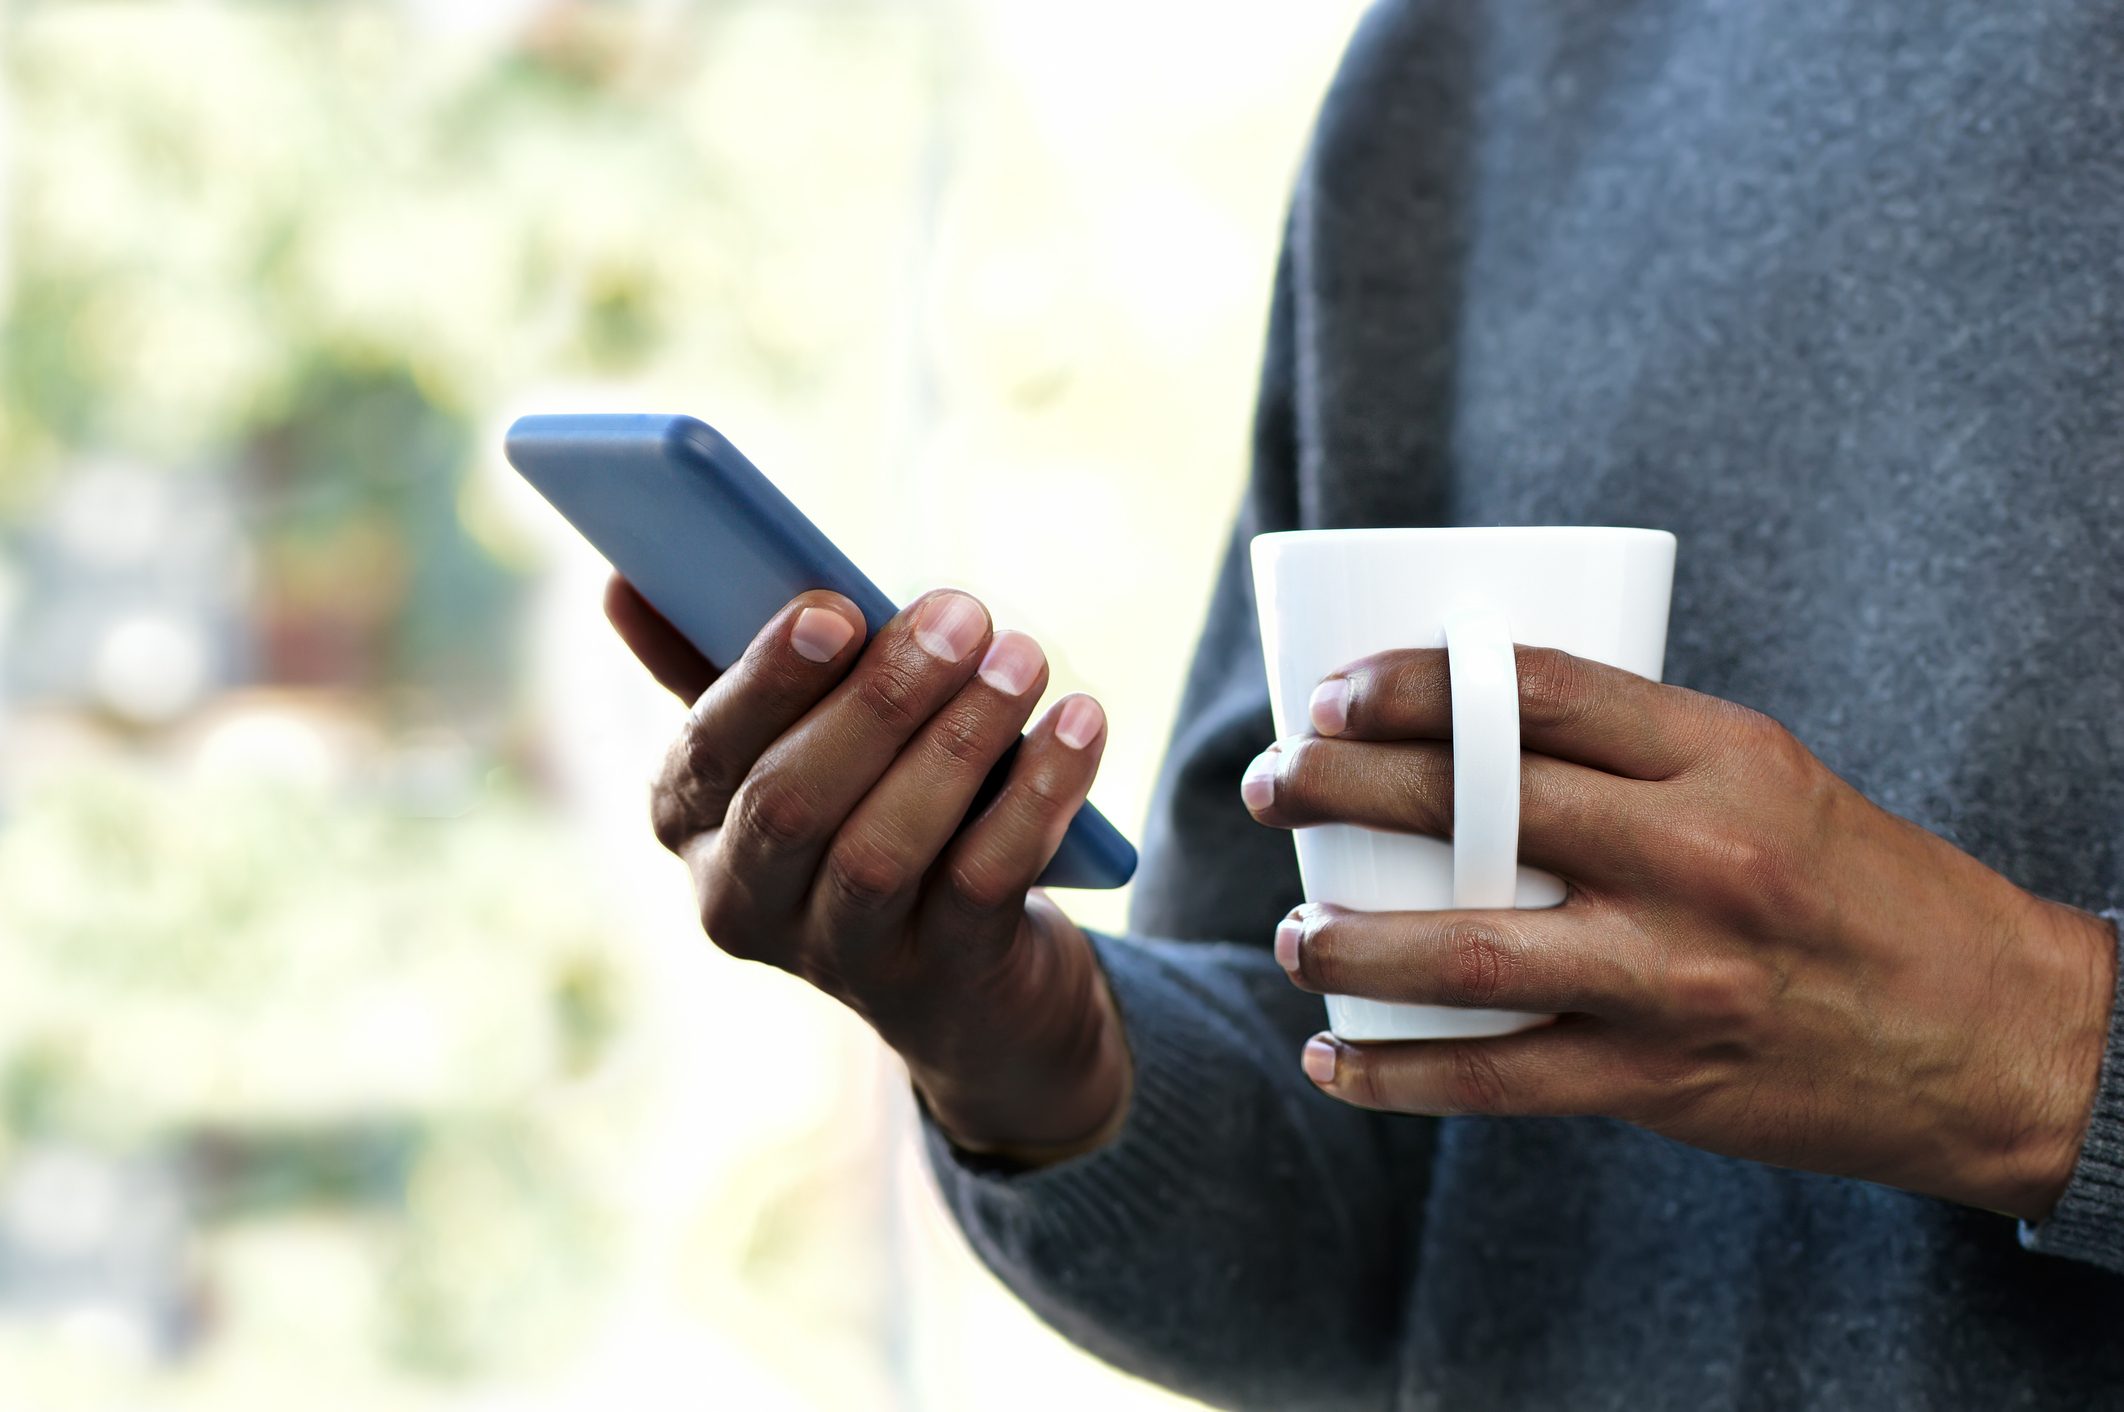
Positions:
(692, 524)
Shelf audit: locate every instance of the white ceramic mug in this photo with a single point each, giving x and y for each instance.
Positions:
(1329, 597)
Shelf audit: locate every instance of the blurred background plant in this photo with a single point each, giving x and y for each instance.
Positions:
(356, 1047)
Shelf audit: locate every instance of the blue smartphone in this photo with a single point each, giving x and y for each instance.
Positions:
(716, 549)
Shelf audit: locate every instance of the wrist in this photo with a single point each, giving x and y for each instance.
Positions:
(2069, 1037)
(1005, 1142)
(1045, 1091)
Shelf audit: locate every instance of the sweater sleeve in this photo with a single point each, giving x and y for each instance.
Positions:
(1240, 1239)
(2088, 1223)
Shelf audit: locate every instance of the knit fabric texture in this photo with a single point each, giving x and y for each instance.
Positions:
(1834, 290)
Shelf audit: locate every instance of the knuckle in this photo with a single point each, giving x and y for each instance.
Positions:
(1758, 741)
(1753, 871)
(1357, 1078)
(1750, 725)
(979, 886)
(889, 691)
(724, 921)
(959, 736)
(1320, 959)
(669, 818)
(866, 877)
(1663, 1083)
(1551, 687)
(1724, 996)
(775, 811)
(1045, 791)
(1480, 959)
(1654, 1090)
(1662, 1069)
(1473, 1081)
(1772, 870)
(718, 917)
(1800, 774)
(701, 758)
(691, 792)
(1301, 767)
(1399, 684)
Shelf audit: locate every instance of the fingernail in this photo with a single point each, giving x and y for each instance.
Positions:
(819, 634)
(1078, 725)
(1011, 662)
(949, 625)
(1319, 1060)
(1289, 932)
(1330, 706)
(1258, 785)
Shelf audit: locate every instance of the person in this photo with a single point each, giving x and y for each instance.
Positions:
(1835, 1114)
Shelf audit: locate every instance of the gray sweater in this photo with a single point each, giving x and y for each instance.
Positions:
(1833, 289)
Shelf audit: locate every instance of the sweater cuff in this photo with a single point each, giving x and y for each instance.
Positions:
(1180, 1046)
(2088, 1223)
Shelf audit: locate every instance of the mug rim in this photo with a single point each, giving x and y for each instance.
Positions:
(1420, 532)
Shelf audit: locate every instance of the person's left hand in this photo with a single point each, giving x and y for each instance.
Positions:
(1753, 958)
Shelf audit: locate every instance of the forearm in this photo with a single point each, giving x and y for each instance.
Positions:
(1229, 1180)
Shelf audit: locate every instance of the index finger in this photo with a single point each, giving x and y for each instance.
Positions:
(804, 649)
(1570, 707)
(672, 660)
(1570, 959)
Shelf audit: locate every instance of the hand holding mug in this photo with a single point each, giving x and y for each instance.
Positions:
(1752, 957)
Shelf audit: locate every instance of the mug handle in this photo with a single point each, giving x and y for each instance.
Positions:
(1484, 677)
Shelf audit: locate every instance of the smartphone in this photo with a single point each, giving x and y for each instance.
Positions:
(716, 549)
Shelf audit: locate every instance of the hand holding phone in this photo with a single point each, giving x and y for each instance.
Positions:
(850, 792)
(816, 793)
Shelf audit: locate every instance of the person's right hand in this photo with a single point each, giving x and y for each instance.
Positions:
(816, 792)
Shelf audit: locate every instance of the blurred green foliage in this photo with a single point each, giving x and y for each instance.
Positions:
(306, 251)
(225, 208)
(315, 1000)
(434, 964)
(300, 255)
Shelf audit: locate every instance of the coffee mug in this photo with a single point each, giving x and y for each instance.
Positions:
(1329, 597)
